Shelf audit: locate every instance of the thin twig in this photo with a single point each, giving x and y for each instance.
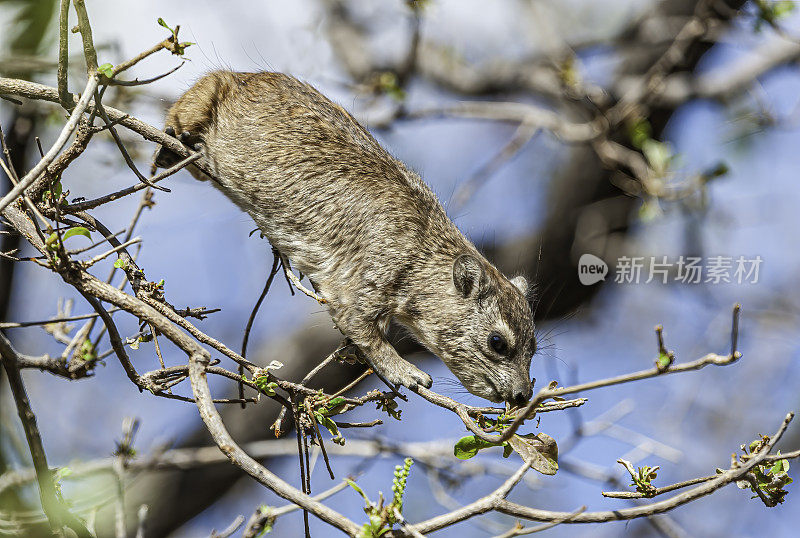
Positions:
(657, 491)
(91, 204)
(85, 29)
(108, 253)
(137, 82)
(252, 317)
(66, 132)
(121, 145)
(230, 529)
(63, 56)
(287, 269)
(524, 134)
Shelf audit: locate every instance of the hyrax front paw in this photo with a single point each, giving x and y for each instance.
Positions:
(165, 158)
(406, 374)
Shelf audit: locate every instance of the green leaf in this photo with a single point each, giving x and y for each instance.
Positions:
(643, 478)
(568, 72)
(538, 448)
(266, 529)
(106, 69)
(771, 12)
(388, 83)
(62, 472)
(268, 388)
(468, 446)
(639, 131)
(333, 402)
(51, 241)
(78, 230)
(658, 155)
(328, 423)
(177, 47)
(663, 361)
(331, 427)
(418, 5)
(119, 263)
(334, 406)
(357, 488)
(782, 8)
(650, 210)
(87, 352)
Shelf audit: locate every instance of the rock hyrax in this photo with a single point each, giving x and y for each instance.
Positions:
(371, 237)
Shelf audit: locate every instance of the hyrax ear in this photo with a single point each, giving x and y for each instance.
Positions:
(468, 275)
(521, 284)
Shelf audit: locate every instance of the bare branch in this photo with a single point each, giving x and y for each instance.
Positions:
(500, 504)
(726, 81)
(63, 56)
(66, 132)
(85, 29)
(210, 416)
(521, 113)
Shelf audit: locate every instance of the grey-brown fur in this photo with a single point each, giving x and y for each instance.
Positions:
(371, 237)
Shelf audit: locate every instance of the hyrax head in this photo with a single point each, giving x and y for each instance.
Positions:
(490, 341)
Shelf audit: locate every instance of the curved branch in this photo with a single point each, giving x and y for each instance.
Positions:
(237, 456)
(497, 502)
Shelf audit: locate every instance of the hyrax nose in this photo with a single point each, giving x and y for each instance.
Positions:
(521, 395)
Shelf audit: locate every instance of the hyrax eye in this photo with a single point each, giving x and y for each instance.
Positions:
(498, 344)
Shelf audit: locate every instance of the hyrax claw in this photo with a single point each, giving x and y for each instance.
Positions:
(409, 376)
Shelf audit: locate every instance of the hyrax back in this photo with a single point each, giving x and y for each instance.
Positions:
(372, 238)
